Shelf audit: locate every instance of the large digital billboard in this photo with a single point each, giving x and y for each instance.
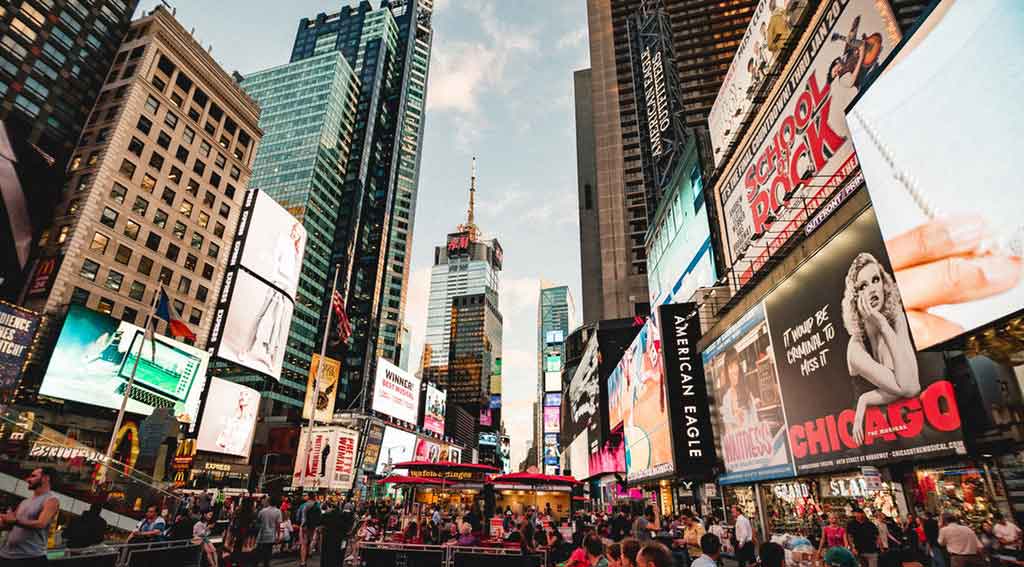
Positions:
(583, 403)
(434, 409)
(229, 418)
(17, 329)
(398, 446)
(254, 310)
(956, 252)
(328, 387)
(396, 393)
(329, 461)
(799, 152)
(93, 360)
(770, 29)
(552, 417)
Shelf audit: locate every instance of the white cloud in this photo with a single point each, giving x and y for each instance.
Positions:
(574, 38)
(416, 296)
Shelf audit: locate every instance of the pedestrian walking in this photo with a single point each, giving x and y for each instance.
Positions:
(743, 535)
(960, 541)
(269, 519)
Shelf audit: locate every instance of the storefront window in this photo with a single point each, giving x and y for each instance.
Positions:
(961, 490)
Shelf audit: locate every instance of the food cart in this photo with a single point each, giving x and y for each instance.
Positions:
(520, 491)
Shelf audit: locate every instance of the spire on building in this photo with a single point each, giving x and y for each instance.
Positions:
(469, 226)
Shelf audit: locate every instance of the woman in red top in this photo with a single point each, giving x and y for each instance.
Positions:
(833, 535)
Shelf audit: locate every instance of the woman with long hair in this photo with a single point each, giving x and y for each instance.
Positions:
(242, 532)
(880, 348)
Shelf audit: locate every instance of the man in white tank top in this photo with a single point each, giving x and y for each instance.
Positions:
(30, 523)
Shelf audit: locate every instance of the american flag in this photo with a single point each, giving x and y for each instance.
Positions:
(344, 327)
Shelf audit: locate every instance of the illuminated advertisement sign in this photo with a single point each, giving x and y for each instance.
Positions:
(551, 449)
(552, 417)
(916, 167)
(93, 361)
(371, 449)
(800, 152)
(553, 399)
(396, 392)
(489, 439)
(398, 446)
(329, 461)
(552, 382)
(554, 337)
(229, 418)
(485, 416)
(584, 397)
(328, 388)
(458, 242)
(434, 409)
(17, 329)
(495, 401)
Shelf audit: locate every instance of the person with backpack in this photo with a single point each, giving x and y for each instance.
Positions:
(309, 520)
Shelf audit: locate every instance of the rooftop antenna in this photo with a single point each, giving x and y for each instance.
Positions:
(469, 225)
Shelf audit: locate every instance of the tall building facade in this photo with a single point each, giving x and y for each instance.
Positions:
(54, 57)
(556, 316)
(308, 111)
(388, 47)
(155, 185)
(704, 37)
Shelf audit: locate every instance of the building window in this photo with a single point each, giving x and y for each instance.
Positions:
(195, 317)
(156, 161)
(114, 280)
(203, 220)
(79, 296)
(215, 180)
(105, 306)
(140, 206)
(131, 229)
(152, 105)
(168, 196)
(204, 148)
(127, 169)
(118, 192)
(179, 230)
(181, 154)
(89, 270)
(137, 291)
(220, 161)
(158, 83)
(218, 230)
(197, 241)
(136, 146)
(153, 242)
(128, 314)
(160, 218)
(99, 244)
(108, 217)
(209, 199)
(214, 250)
(171, 119)
(235, 172)
(175, 175)
(179, 306)
(191, 262)
(164, 140)
(192, 187)
(144, 125)
(184, 284)
(185, 208)
(230, 191)
(207, 271)
(172, 252)
(73, 206)
(225, 210)
(201, 293)
(193, 113)
(189, 135)
(148, 183)
(145, 265)
(165, 276)
(199, 168)
(123, 255)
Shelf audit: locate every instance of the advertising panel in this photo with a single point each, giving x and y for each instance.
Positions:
(616, 387)
(552, 381)
(553, 363)
(427, 450)
(551, 449)
(608, 458)
(93, 359)
(645, 413)
(853, 388)
(329, 461)
(771, 27)
(584, 402)
(554, 337)
(229, 418)
(551, 419)
(371, 449)
(680, 258)
(485, 417)
(552, 399)
(454, 454)
(328, 388)
(275, 245)
(692, 435)
(17, 329)
(505, 452)
(255, 328)
(396, 392)
(495, 401)
(741, 364)
(434, 409)
(397, 446)
(579, 457)
(800, 151)
(488, 439)
(917, 168)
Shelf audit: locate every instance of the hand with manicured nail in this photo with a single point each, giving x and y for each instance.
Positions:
(943, 262)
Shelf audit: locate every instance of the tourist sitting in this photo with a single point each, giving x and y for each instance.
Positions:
(466, 536)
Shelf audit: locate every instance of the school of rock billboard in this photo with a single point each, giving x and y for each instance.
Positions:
(830, 380)
(799, 152)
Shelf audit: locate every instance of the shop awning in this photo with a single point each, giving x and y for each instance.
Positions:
(445, 465)
(411, 480)
(534, 479)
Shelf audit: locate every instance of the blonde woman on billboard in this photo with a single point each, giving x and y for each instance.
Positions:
(880, 349)
(234, 431)
(739, 405)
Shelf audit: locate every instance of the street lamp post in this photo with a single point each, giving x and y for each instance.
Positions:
(263, 475)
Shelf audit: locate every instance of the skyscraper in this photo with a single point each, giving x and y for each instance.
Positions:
(53, 61)
(155, 184)
(556, 316)
(308, 118)
(705, 36)
(389, 50)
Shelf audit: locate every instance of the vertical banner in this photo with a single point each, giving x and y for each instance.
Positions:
(328, 388)
(692, 435)
(329, 460)
(17, 329)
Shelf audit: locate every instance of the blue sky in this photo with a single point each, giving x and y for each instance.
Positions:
(500, 89)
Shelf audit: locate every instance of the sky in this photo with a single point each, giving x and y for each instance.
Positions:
(500, 88)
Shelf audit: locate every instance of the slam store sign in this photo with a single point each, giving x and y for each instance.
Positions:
(17, 328)
(692, 436)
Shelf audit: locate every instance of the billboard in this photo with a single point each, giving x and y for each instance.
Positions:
(609, 458)
(554, 337)
(489, 439)
(680, 258)
(17, 329)
(692, 435)
(741, 364)
(371, 449)
(396, 393)
(552, 381)
(553, 399)
(553, 362)
(800, 152)
(328, 390)
(229, 418)
(329, 461)
(583, 407)
(254, 311)
(485, 416)
(495, 401)
(579, 457)
(397, 446)
(552, 415)
(434, 409)
(427, 450)
(505, 452)
(93, 359)
(956, 254)
(638, 387)
(771, 28)
(551, 449)
(853, 388)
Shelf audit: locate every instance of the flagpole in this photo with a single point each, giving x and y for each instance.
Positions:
(131, 380)
(316, 380)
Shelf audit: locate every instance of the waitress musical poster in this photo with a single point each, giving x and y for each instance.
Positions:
(854, 389)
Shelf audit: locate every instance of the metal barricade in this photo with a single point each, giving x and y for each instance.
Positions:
(419, 555)
(179, 553)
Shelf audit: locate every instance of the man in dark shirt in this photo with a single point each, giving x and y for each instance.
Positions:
(620, 525)
(863, 536)
(87, 529)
